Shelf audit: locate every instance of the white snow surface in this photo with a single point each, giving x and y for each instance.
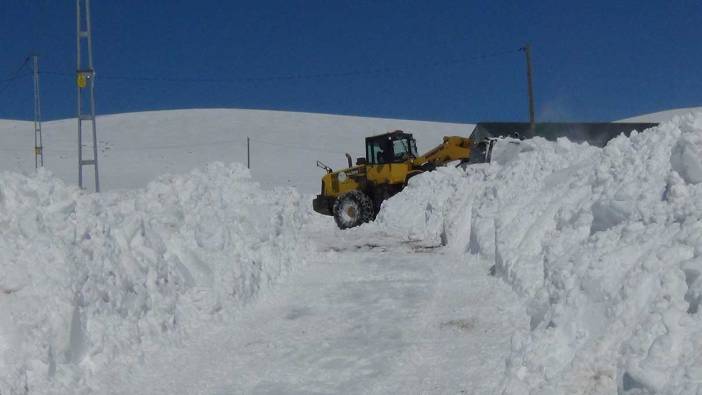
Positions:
(89, 280)
(603, 245)
(558, 268)
(662, 116)
(135, 148)
(368, 314)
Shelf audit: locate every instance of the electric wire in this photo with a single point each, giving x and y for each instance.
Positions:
(236, 142)
(17, 74)
(298, 147)
(300, 76)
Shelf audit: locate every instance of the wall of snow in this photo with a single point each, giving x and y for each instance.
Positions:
(85, 278)
(604, 245)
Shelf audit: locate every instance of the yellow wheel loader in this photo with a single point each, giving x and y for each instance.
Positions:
(353, 196)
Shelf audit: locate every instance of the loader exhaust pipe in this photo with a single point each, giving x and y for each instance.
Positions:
(348, 158)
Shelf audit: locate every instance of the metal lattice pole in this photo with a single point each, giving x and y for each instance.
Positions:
(85, 79)
(38, 144)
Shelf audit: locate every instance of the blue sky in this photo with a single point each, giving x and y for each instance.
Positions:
(593, 61)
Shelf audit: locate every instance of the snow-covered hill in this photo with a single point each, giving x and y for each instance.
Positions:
(135, 148)
(662, 116)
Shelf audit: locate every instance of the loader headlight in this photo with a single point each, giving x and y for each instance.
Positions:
(342, 176)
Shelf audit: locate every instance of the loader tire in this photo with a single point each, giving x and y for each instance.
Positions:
(382, 193)
(352, 209)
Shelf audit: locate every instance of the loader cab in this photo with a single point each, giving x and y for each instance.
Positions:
(394, 147)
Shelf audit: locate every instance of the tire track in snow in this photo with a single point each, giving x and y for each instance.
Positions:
(369, 315)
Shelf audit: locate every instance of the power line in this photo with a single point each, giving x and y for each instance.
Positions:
(298, 147)
(15, 75)
(304, 76)
(237, 142)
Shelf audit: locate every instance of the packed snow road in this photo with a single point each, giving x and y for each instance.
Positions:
(370, 314)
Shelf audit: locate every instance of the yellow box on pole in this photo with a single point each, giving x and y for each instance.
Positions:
(81, 80)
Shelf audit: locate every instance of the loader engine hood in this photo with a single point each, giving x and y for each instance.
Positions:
(336, 183)
(333, 183)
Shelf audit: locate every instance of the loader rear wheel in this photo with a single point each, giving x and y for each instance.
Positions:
(352, 209)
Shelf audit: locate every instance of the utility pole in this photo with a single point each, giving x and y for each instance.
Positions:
(532, 117)
(248, 153)
(85, 79)
(38, 145)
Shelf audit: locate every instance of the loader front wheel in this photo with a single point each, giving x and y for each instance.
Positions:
(352, 209)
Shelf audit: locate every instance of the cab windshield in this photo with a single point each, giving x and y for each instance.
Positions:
(404, 148)
(389, 150)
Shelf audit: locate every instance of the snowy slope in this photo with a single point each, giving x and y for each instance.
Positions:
(135, 148)
(662, 116)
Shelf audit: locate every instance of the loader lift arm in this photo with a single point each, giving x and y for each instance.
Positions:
(452, 148)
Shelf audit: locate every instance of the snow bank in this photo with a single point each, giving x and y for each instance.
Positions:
(87, 280)
(604, 245)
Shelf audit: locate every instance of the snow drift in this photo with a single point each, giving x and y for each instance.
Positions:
(87, 280)
(604, 245)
